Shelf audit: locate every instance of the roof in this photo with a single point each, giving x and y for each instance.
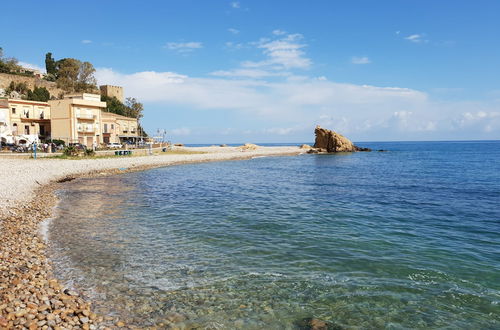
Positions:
(117, 116)
(16, 101)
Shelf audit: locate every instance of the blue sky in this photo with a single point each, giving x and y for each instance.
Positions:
(269, 71)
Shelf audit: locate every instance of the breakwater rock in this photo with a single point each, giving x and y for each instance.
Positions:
(330, 141)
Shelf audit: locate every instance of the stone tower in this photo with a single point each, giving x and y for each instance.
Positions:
(110, 91)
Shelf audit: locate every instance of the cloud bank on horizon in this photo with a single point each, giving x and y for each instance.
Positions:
(284, 103)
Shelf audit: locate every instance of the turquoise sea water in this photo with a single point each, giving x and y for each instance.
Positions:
(408, 238)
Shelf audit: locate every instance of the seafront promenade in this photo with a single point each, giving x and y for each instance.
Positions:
(29, 295)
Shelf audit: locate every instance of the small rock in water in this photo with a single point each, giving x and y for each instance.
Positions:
(175, 317)
(309, 323)
(70, 292)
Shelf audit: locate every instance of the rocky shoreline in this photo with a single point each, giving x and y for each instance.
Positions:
(30, 296)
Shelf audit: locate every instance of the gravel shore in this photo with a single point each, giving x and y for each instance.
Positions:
(30, 298)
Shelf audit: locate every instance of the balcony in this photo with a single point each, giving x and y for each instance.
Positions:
(86, 129)
(85, 116)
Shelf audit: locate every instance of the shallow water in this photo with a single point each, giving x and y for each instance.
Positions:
(408, 238)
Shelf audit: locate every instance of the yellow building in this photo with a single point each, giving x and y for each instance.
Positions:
(29, 121)
(119, 129)
(77, 119)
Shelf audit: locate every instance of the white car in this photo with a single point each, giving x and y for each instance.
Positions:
(114, 145)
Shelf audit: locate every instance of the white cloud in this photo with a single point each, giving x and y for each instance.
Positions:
(250, 73)
(283, 53)
(233, 31)
(362, 111)
(86, 41)
(234, 46)
(184, 47)
(416, 38)
(360, 60)
(279, 32)
(282, 104)
(235, 4)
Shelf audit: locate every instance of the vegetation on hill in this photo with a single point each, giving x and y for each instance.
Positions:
(70, 74)
(10, 65)
(37, 94)
(132, 108)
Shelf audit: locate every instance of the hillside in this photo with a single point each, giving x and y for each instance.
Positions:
(32, 82)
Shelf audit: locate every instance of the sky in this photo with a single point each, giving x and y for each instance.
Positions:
(270, 71)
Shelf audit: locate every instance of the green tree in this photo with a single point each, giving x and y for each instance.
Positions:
(86, 81)
(39, 94)
(67, 73)
(51, 67)
(20, 87)
(134, 108)
(75, 76)
(8, 65)
(114, 105)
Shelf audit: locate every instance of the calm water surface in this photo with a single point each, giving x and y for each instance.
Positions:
(408, 238)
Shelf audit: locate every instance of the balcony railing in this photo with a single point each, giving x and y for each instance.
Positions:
(85, 116)
(86, 129)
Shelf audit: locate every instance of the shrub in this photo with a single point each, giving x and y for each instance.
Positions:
(70, 151)
(59, 142)
(89, 152)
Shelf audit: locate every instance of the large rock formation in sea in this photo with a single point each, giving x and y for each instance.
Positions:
(330, 141)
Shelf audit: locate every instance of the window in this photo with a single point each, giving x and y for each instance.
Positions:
(27, 129)
(13, 111)
(112, 126)
(105, 128)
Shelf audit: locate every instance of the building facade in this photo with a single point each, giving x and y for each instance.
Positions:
(28, 121)
(77, 119)
(5, 128)
(112, 91)
(119, 129)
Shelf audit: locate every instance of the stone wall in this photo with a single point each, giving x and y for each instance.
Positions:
(116, 91)
(31, 82)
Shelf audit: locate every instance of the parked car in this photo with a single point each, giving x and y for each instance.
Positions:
(114, 145)
(78, 146)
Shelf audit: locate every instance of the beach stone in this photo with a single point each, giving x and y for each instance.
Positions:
(3, 322)
(70, 292)
(176, 317)
(316, 324)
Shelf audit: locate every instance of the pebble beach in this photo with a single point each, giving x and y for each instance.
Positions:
(30, 297)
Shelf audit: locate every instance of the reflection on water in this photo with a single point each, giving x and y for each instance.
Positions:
(369, 240)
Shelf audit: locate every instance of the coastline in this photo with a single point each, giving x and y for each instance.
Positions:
(30, 296)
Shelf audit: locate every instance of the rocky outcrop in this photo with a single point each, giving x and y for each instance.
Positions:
(330, 141)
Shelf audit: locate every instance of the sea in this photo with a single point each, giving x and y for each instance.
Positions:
(405, 238)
